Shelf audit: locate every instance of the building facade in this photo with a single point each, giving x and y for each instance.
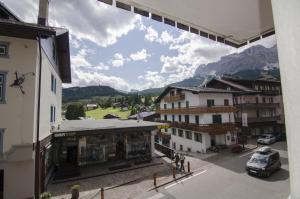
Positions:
(259, 103)
(199, 118)
(25, 48)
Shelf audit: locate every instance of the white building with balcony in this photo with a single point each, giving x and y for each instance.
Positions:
(199, 117)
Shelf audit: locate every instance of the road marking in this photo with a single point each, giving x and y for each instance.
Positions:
(157, 196)
(193, 175)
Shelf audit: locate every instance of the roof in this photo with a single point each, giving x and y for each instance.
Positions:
(6, 12)
(14, 27)
(142, 114)
(193, 90)
(237, 86)
(233, 22)
(105, 124)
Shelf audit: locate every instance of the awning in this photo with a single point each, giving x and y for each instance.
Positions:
(233, 22)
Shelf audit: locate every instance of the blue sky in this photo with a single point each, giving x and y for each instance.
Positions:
(113, 47)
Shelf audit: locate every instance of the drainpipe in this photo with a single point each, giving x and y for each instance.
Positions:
(37, 143)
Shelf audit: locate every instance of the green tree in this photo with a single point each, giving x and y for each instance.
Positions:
(74, 111)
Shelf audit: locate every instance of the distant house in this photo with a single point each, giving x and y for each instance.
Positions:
(91, 106)
(145, 116)
(111, 116)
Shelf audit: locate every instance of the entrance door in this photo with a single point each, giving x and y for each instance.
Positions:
(1, 183)
(72, 155)
(213, 140)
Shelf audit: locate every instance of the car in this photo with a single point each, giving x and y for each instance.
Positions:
(236, 148)
(266, 139)
(263, 162)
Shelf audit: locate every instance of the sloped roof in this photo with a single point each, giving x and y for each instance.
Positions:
(192, 89)
(233, 22)
(235, 85)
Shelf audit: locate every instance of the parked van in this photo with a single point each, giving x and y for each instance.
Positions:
(264, 162)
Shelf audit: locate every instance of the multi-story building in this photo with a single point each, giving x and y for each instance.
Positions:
(259, 103)
(34, 62)
(199, 117)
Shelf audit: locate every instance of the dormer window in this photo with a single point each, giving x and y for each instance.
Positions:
(4, 49)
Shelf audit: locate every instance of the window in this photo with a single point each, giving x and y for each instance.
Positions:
(264, 100)
(187, 104)
(181, 147)
(4, 49)
(172, 93)
(166, 117)
(210, 102)
(197, 119)
(217, 119)
(173, 118)
(2, 86)
(198, 137)
(187, 119)
(226, 102)
(173, 131)
(173, 106)
(53, 83)
(180, 133)
(179, 104)
(1, 140)
(179, 118)
(189, 149)
(256, 100)
(174, 145)
(54, 51)
(52, 114)
(165, 106)
(270, 100)
(188, 135)
(166, 130)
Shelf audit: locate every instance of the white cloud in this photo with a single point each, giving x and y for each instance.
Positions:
(140, 55)
(165, 37)
(151, 34)
(87, 20)
(118, 60)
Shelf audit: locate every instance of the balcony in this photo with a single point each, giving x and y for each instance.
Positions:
(257, 105)
(174, 98)
(197, 110)
(213, 129)
(259, 119)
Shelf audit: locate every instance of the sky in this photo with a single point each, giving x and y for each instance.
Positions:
(113, 47)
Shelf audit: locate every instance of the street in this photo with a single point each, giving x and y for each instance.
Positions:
(228, 179)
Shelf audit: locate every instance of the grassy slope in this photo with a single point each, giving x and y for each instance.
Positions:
(99, 113)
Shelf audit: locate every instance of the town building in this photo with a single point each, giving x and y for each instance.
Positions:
(145, 116)
(259, 103)
(34, 62)
(80, 143)
(199, 117)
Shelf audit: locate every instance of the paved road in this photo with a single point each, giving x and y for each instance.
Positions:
(228, 180)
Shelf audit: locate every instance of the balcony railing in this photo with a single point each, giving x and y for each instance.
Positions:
(257, 105)
(209, 128)
(174, 98)
(259, 119)
(197, 110)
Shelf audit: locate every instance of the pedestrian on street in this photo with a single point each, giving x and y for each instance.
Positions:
(176, 160)
(182, 163)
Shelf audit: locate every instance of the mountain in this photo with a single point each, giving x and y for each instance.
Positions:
(255, 58)
(77, 93)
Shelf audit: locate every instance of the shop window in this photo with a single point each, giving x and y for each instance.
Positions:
(180, 133)
(188, 135)
(198, 137)
(173, 131)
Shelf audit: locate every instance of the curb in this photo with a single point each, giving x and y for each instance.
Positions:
(174, 180)
(103, 174)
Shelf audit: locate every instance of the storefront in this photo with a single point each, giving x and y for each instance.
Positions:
(85, 142)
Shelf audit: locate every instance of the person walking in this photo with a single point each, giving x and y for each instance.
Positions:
(176, 160)
(182, 162)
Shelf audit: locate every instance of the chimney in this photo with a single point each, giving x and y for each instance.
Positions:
(43, 12)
